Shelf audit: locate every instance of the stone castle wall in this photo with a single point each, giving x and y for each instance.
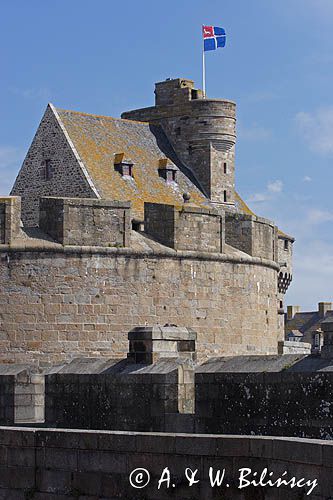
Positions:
(185, 229)
(10, 218)
(59, 304)
(251, 234)
(73, 221)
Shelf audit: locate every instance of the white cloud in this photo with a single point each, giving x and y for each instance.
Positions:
(272, 188)
(275, 186)
(317, 129)
(306, 178)
(317, 216)
(258, 197)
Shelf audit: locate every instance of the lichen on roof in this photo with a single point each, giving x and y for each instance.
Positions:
(98, 139)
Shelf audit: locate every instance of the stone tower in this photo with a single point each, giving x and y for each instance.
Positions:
(201, 131)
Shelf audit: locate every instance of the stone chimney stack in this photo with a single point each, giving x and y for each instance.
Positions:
(323, 308)
(292, 310)
(148, 344)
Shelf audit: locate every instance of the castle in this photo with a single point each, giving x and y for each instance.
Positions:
(139, 293)
(117, 223)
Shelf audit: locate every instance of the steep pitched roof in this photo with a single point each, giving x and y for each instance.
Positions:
(98, 138)
(306, 321)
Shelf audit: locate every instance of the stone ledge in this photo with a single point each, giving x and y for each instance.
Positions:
(167, 254)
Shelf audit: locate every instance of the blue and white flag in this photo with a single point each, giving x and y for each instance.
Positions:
(214, 37)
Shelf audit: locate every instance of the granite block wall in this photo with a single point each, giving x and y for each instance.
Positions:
(10, 218)
(111, 401)
(45, 464)
(7, 399)
(276, 404)
(21, 395)
(86, 222)
(252, 235)
(60, 304)
(188, 228)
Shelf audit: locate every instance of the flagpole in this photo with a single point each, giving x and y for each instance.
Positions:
(203, 67)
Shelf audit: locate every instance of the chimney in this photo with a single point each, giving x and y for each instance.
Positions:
(292, 310)
(148, 344)
(323, 308)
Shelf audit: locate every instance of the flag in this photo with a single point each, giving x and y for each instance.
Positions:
(214, 37)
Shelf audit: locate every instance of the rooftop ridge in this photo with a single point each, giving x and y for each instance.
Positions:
(99, 116)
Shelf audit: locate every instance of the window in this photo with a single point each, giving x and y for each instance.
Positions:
(286, 244)
(194, 94)
(225, 169)
(316, 340)
(177, 131)
(47, 170)
(224, 196)
(123, 166)
(170, 175)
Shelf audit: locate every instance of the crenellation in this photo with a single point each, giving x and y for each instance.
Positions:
(86, 222)
(10, 219)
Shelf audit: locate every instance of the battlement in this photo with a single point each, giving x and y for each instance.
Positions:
(86, 222)
(253, 235)
(188, 228)
(176, 91)
(10, 218)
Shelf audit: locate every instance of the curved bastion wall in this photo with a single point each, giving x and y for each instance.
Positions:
(79, 283)
(56, 305)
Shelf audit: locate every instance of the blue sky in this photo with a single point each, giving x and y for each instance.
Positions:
(104, 56)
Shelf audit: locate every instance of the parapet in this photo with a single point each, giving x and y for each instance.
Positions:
(188, 228)
(250, 234)
(86, 222)
(10, 219)
(175, 91)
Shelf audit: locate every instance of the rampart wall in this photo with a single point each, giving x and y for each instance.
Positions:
(84, 279)
(52, 464)
(61, 303)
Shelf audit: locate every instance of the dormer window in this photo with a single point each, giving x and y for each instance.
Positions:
(167, 170)
(123, 165)
(46, 169)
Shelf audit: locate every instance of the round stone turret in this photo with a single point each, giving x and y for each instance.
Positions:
(202, 132)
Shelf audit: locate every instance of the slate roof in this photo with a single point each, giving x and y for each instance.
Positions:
(306, 322)
(98, 138)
